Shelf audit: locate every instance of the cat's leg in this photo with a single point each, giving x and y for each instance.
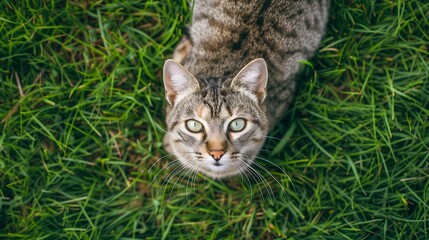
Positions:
(166, 143)
(182, 50)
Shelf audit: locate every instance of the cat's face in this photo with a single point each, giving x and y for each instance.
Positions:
(214, 128)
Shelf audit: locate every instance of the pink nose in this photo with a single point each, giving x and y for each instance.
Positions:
(217, 154)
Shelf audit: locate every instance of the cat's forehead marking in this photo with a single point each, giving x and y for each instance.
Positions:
(214, 104)
(213, 99)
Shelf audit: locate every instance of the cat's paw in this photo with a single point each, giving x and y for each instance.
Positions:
(166, 144)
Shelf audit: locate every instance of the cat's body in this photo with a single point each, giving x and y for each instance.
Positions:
(217, 90)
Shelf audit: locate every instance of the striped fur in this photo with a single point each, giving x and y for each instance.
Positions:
(225, 36)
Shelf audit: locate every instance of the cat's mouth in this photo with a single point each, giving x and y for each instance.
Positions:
(217, 164)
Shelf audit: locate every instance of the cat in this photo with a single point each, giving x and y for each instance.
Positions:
(233, 77)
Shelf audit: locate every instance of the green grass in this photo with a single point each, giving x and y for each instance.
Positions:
(81, 111)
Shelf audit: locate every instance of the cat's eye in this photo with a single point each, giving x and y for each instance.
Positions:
(194, 126)
(237, 125)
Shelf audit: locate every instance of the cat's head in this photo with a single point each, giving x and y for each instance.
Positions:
(216, 128)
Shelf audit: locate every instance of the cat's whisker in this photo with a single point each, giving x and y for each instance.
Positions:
(258, 182)
(266, 150)
(189, 173)
(242, 172)
(159, 159)
(267, 185)
(271, 137)
(178, 179)
(278, 167)
(160, 190)
(167, 166)
(163, 168)
(266, 170)
(261, 178)
(189, 180)
(195, 175)
(192, 174)
(186, 170)
(179, 168)
(170, 177)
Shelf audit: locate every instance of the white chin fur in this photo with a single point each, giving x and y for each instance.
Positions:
(226, 169)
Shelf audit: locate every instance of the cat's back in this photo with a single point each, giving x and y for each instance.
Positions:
(228, 34)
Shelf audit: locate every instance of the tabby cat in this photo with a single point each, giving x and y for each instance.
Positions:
(233, 77)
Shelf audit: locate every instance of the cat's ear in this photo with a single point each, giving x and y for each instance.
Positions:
(253, 77)
(177, 81)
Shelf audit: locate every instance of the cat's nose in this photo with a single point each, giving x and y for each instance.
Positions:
(217, 154)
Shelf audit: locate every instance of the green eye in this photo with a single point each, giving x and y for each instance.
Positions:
(194, 126)
(237, 125)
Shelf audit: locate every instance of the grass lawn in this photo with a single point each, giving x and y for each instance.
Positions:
(82, 119)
